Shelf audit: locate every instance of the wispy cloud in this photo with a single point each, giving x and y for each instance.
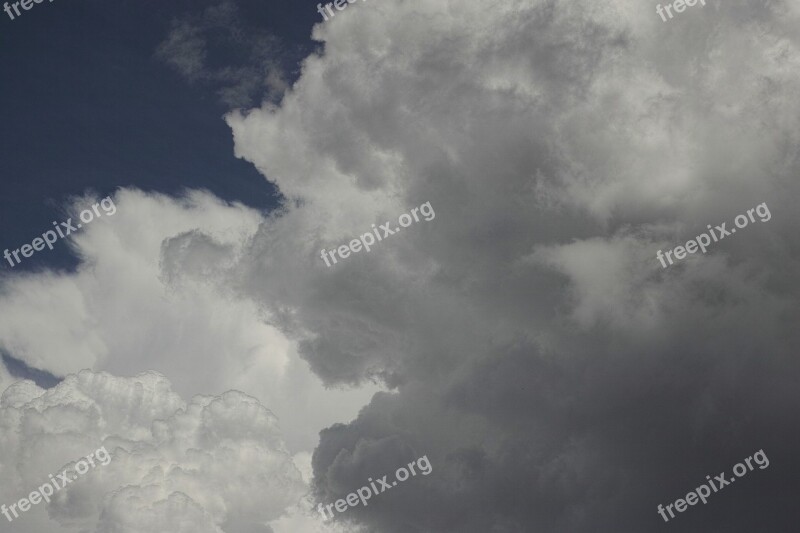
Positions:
(251, 67)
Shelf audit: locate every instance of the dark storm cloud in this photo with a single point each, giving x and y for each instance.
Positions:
(18, 369)
(555, 376)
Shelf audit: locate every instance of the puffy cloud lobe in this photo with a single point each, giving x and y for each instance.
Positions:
(144, 509)
(66, 322)
(214, 464)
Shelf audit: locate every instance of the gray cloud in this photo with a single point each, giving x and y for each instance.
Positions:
(557, 378)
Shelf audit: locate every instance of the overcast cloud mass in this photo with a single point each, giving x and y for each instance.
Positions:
(526, 340)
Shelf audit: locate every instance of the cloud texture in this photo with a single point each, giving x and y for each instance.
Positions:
(213, 464)
(556, 376)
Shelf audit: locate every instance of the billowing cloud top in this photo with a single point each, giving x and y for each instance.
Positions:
(214, 464)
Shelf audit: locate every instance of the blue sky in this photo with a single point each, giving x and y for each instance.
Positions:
(88, 105)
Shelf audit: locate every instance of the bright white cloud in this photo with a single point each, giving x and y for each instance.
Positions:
(159, 289)
(213, 464)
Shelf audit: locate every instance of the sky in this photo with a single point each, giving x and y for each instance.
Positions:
(319, 253)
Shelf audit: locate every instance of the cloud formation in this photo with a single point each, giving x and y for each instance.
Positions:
(159, 289)
(557, 378)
